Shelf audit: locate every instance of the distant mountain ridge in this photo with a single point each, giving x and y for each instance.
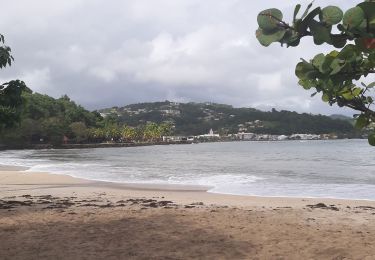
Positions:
(342, 117)
(198, 118)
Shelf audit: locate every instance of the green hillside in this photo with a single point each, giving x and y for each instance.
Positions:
(342, 117)
(199, 118)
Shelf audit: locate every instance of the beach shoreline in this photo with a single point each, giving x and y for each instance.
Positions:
(99, 220)
(19, 176)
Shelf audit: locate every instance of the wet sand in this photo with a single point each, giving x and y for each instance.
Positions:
(46, 216)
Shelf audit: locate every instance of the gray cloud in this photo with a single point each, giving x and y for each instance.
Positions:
(106, 53)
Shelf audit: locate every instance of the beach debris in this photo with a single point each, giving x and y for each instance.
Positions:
(164, 203)
(9, 204)
(149, 203)
(51, 202)
(109, 205)
(197, 204)
(323, 206)
(365, 207)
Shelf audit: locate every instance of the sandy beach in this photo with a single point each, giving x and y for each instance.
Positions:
(47, 216)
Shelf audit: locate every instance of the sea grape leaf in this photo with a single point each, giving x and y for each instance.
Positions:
(371, 139)
(320, 33)
(339, 41)
(337, 65)
(369, 10)
(296, 10)
(267, 38)
(309, 18)
(331, 15)
(353, 17)
(269, 19)
(307, 10)
(361, 122)
(305, 70)
(325, 97)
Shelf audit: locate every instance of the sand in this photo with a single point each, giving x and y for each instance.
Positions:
(46, 216)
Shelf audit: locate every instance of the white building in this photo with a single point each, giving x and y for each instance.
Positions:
(245, 136)
(210, 135)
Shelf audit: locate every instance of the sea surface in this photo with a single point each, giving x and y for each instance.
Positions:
(330, 169)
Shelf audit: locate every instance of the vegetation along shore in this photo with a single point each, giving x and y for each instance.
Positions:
(46, 122)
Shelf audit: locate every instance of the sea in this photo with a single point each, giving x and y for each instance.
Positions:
(343, 169)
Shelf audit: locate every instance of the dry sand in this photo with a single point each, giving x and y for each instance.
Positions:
(45, 216)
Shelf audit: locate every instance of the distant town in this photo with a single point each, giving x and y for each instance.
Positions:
(212, 137)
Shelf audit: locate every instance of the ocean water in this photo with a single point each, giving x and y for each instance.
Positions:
(331, 169)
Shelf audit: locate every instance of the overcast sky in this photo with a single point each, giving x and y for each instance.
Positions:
(117, 52)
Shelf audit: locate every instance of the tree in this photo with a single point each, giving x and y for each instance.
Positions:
(340, 74)
(151, 132)
(166, 129)
(79, 131)
(53, 129)
(128, 133)
(10, 93)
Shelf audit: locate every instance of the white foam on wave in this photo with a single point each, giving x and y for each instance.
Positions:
(334, 191)
(89, 171)
(216, 179)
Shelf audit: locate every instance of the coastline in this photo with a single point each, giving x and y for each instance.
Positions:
(16, 179)
(87, 146)
(83, 219)
(140, 144)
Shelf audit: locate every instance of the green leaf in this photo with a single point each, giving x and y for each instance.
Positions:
(318, 60)
(320, 33)
(291, 38)
(371, 139)
(350, 53)
(334, 54)
(306, 84)
(309, 18)
(325, 67)
(353, 17)
(339, 41)
(331, 15)
(361, 122)
(296, 10)
(347, 95)
(356, 92)
(325, 97)
(369, 10)
(266, 39)
(337, 65)
(269, 19)
(305, 71)
(307, 10)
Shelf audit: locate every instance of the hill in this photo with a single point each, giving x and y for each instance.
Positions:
(342, 117)
(199, 118)
(45, 120)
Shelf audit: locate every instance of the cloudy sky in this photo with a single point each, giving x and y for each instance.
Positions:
(117, 52)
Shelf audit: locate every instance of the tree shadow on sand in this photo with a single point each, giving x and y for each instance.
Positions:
(159, 236)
